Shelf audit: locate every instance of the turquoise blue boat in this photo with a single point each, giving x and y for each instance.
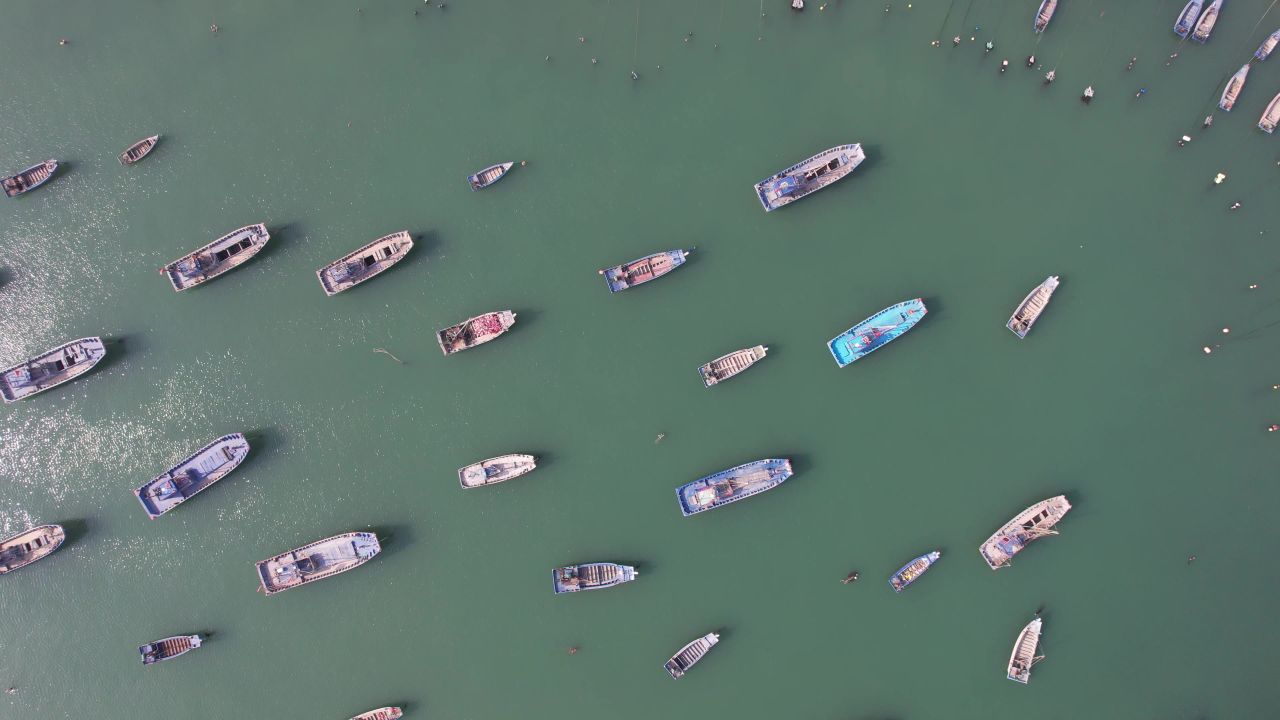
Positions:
(732, 485)
(876, 331)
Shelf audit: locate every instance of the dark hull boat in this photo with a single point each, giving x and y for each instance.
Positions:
(912, 571)
(592, 576)
(384, 713)
(475, 331)
(1044, 15)
(29, 179)
(1268, 45)
(639, 272)
(496, 470)
(732, 485)
(168, 648)
(1204, 28)
(370, 260)
(690, 654)
(876, 331)
(1232, 91)
(226, 253)
(28, 546)
(139, 150)
(809, 176)
(1026, 527)
(55, 367)
(205, 467)
(317, 561)
(726, 366)
(489, 176)
(1187, 19)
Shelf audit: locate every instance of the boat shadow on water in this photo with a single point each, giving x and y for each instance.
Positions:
(6, 276)
(282, 235)
(76, 530)
(392, 538)
(261, 440)
(118, 348)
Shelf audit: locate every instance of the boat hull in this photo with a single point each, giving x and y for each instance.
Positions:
(317, 561)
(217, 258)
(809, 176)
(590, 576)
(168, 648)
(51, 369)
(1271, 116)
(489, 176)
(876, 331)
(139, 150)
(1027, 526)
(383, 713)
(1023, 655)
(1232, 91)
(475, 331)
(641, 271)
(364, 264)
(29, 179)
(20, 550)
(496, 470)
(912, 571)
(193, 475)
(1024, 317)
(1264, 50)
(1204, 27)
(727, 366)
(1044, 15)
(689, 655)
(732, 485)
(1187, 18)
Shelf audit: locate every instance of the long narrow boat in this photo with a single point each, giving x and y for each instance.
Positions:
(203, 468)
(912, 571)
(226, 253)
(1204, 28)
(496, 470)
(475, 331)
(1271, 116)
(29, 179)
(639, 272)
(1264, 50)
(591, 576)
(488, 176)
(319, 560)
(29, 546)
(1232, 91)
(726, 366)
(1044, 15)
(354, 268)
(1187, 18)
(809, 176)
(1028, 311)
(168, 648)
(383, 713)
(139, 150)
(732, 485)
(690, 654)
(1024, 655)
(1026, 527)
(50, 369)
(876, 331)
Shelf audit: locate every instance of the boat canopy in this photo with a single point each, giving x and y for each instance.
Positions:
(785, 185)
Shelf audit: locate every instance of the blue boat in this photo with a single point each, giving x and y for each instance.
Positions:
(912, 571)
(732, 485)
(1187, 19)
(639, 272)
(809, 176)
(203, 468)
(591, 576)
(876, 331)
(1264, 50)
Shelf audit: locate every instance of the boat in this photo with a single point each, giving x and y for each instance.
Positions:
(912, 571)
(1087, 97)
(1044, 15)
(726, 366)
(1024, 652)
(226, 253)
(168, 648)
(48, 370)
(591, 576)
(29, 179)
(496, 470)
(203, 468)
(383, 713)
(1271, 116)
(1027, 526)
(1204, 28)
(876, 331)
(639, 272)
(28, 546)
(1032, 305)
(732, 485)
(488, 176)
(354, 268)
(139, 150)
(690, 654)
(809, 176)
(1187, 18)
(1232, 91)
(319, 560)
(1264, 50)
(475, 331)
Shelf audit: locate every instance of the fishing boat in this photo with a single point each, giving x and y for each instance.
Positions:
(809, 176)
(639, 272)
(354, 268)
(1204, 28)
(1087, 97)
(48, 370)
(1271, 116)
(29, 546)
(1187, 18)
(1024, 653)
(1264, 50)
(732, 485)
(912, 571)
(726, 366)
(203, 468)
(475, 331)
(319, 560)
(1045, 14)
(139, 150)
(226, 253)
(1233, 88)
(168, 648)
(876, 331)
(496, 470)
(383, 713)
(592, 576)
(488, 176)
(690, 654)
(29, 179)
(1027, 526)
(1032, 305)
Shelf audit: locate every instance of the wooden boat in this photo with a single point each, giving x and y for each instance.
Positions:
(1271, 116)
(726, 366)
(354, 268)
(319, 560)
(1024, 653)
(138, 150)
(1044, 15)
(226, 253)
(1026, 527)
(592, 576)
(1232, 91)
(876, 331)
(168, 648)
(29, 179)
(809, 176)
(1204, 28)
(912, 571)
(1028, 311)
(732, 485)
(639, 272)
(496, 470)
(1264, 50)
(203, 468)
(48, 370)
(384, 713)
(690, 654)
(29, 546)
(488, 176)
(475, 331)
(1187, 18)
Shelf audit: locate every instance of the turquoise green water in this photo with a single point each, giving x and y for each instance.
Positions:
(335, 127)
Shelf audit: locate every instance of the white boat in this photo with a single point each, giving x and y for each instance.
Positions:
(49, 370)
(356, 267)
(1044, 15)
(496, 470)
(690, 654)
(1232, 91)
(139, 150)
(316, 561)
(226, 253)
(726, 366)
(1204, 27)
(30, 545)
(1026, 527)
(1028, 311)
(1024, 652)
(1271, 116)
(183, 481)
(1264, 50)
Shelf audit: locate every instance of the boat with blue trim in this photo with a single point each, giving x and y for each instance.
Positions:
(641, 271)
(876, 331)
(51, 368)
(316, 561)
(591, 576)
(912, 571)
(732, 485)
(203, 468)
(488, 176)
(226, 253)
(1264, 50)
(809, 176)
(1187, 18)
(1204, 28)
(1044, 15)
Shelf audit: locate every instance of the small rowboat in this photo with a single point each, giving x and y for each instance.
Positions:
(690, 654)
(385, 713)
(912, 571)
(489, 175)
(1271, 116)
(475, 331)
(50, 369)
(1264, 50)
(138, 150)
(496, 470)
(1204, 28)
(29, 179)
(1187, 19)
(590, 576)
(639, 272)
(1024, 653)
(226, 253)
(1028, 311)
(28, 546)
(726, 366)
(1232, 91)
(168, 648)
(1044, 15)
(354, 268)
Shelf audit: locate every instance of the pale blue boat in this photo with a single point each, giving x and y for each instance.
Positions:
(876, 331)
(912, 571)
(1187, 20)
(732, 485)
(1264, 50)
